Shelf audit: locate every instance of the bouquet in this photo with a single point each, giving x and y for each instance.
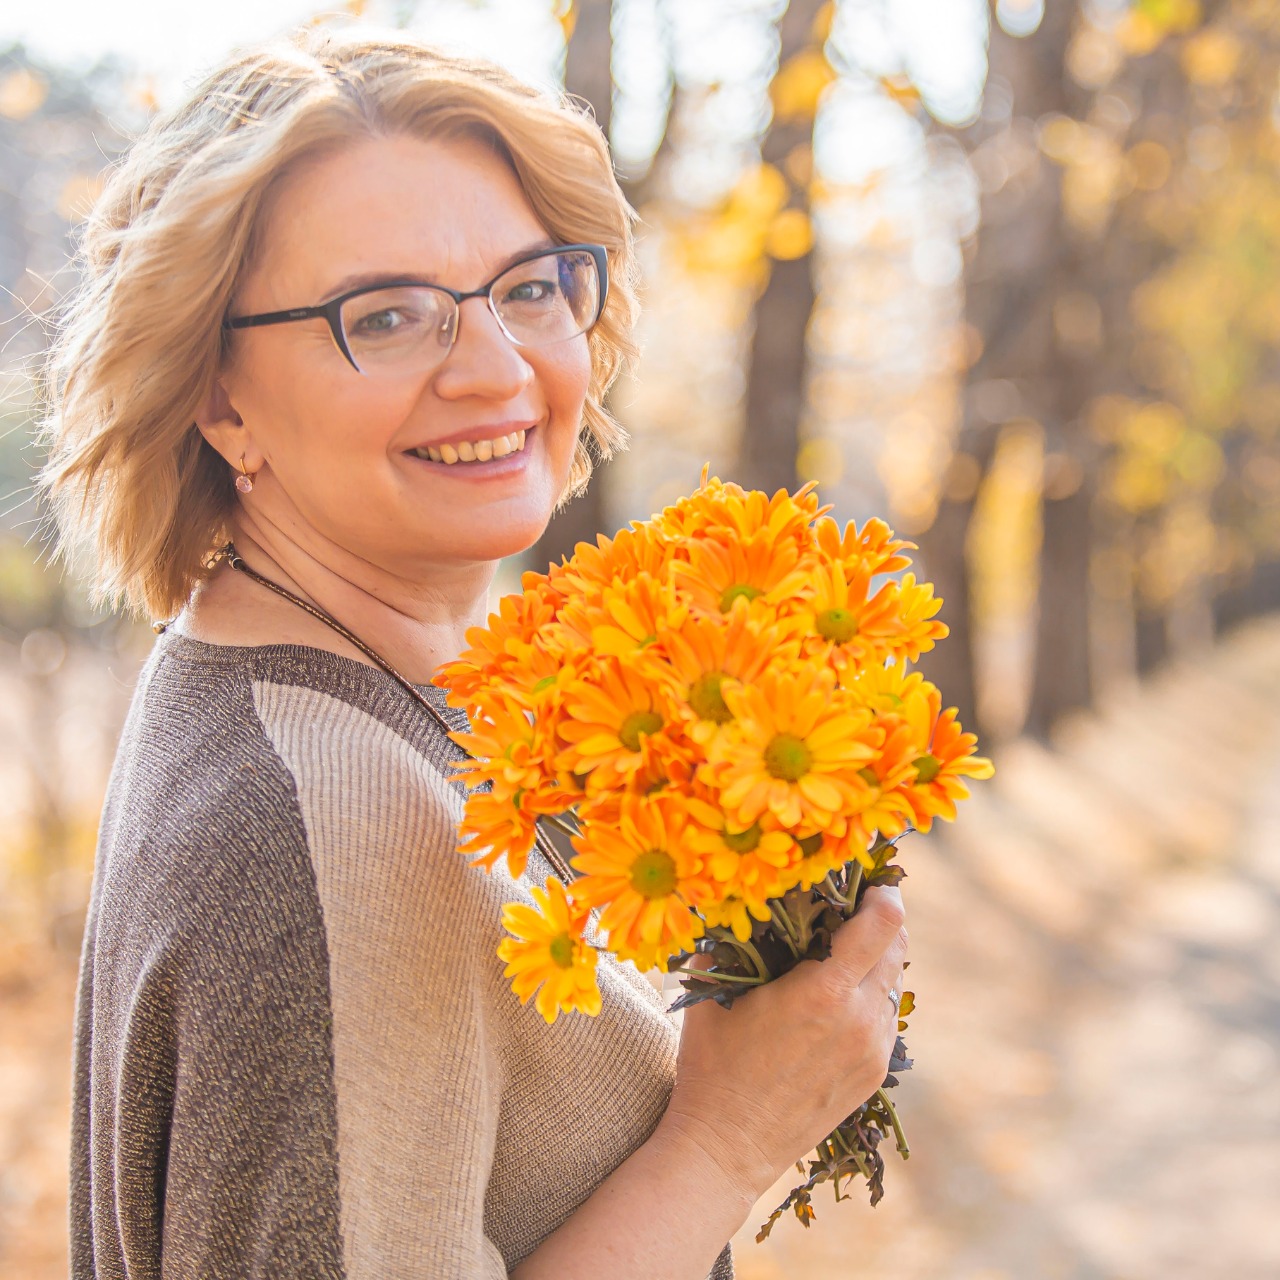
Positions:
(717, 705)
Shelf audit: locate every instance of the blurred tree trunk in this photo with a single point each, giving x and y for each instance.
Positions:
(1024, 261)
(588, 75)
(776, 373)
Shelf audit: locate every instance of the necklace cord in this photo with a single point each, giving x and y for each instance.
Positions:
(232, 557)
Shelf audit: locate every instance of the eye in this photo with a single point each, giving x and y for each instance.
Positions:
(531, 291)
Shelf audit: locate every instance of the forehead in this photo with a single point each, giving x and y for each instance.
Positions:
(446, 211)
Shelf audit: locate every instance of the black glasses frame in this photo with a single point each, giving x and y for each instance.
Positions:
(332, 310)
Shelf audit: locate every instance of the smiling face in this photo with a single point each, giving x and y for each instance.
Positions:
(343, 459)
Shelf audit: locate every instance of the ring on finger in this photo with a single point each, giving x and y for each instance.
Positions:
(896, 999)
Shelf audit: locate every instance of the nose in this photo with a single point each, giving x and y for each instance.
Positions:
(483, 361)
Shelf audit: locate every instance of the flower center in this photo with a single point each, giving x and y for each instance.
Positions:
(730, 594)
(787, 757)
(562, 951)
(635, 724)
(810, 844)
(653, 874)
(869, 776)
(742, 841)
(840, 625)
(927, 768)
(706, 699)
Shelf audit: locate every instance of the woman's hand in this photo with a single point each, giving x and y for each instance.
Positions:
(761, 1084)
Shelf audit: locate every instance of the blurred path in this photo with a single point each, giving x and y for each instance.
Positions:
(1096, 951)
(1096, 955)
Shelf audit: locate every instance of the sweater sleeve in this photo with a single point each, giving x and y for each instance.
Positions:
(410, 930)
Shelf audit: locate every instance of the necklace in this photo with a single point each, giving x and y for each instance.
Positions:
(232, 557)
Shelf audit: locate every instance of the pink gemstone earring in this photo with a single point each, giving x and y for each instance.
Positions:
(244, 481)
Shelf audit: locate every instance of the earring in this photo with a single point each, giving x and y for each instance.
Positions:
(244, 481)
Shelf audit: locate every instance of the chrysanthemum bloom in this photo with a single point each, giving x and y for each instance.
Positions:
(853, 628)
(626, 618)
(771, 575)
(946, 758)
(639, 868)
(872, 547)
(893, 770)
(795, 750)
(704, 652)
(882, 687)
(629, 553)
(733, 514)
(748, 867)
(501, 647)
(547, 953)
(496, 826)
(609, 715)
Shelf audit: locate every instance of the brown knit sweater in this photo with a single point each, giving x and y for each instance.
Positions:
(295, 1052)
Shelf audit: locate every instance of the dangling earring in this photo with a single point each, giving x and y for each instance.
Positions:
(244, 481)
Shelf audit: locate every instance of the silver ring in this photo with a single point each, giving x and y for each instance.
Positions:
(896, 999)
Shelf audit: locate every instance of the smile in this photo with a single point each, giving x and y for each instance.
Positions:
(472, 450)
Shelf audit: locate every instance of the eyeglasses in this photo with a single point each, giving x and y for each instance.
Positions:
(405, 326)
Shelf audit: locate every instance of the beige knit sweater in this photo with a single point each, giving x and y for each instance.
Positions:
(295, 1051)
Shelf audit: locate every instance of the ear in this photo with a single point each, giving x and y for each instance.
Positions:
(222, 426)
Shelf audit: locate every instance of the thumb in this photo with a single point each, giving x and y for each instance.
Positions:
(860, 942)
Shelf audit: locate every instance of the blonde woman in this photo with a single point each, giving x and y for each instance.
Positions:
(353, 308)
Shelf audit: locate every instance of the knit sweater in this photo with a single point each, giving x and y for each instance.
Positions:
(295, 1052)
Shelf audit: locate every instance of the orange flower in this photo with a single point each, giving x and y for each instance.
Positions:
(718, 574)
(704, 651)
(627, 617)
(640, 549)
(611, 712)
(498, 827)
(733, 514)
(639, 868)
(873, 547)
(945, 759)
(795, 750)
(852, 630)
(547, 954)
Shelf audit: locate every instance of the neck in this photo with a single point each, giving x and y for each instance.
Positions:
(412, 621)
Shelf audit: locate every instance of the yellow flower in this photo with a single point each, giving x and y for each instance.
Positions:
(795, 751)
(611, 712)
(547, 954)
(704, 652)
(852, 630)
(746, 866)
(637, 865)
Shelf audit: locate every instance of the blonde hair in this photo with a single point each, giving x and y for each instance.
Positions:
(130, 478)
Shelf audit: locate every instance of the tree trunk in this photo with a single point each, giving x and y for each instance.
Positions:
(776, 374)
(588, 75)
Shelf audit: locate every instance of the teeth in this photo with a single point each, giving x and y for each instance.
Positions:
(473, 450)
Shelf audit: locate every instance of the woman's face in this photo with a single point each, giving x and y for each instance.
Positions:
(334, 448)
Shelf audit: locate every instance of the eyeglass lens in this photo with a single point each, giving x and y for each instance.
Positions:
(544, 300)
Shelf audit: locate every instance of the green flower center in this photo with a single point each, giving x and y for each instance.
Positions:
(653, 874)
(869, 776)
(635, 724)
(787, 757)
(742, 841)
(839, 625)
(730, 594)
(927, 768)
(561, 950)
(706, 699)
(810, 844)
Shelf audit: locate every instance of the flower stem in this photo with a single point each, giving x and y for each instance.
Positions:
(563, 826)
(901, 1138)
(720, 977)
(782, 922)
(833, 894)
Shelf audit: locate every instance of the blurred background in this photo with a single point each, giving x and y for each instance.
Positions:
(1007, 275)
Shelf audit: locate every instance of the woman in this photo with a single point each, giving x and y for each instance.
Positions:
(354, 307)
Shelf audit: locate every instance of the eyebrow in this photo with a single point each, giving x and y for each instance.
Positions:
(362, 278)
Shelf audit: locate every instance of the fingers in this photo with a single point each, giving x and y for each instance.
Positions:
(872, 935)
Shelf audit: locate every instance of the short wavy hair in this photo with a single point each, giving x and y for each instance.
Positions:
(131, 481)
